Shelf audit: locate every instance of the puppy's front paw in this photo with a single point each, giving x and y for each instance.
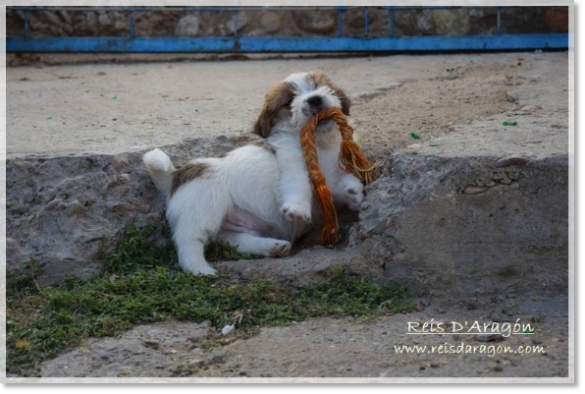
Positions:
(354, 195)
(297, 212)
(280, 249)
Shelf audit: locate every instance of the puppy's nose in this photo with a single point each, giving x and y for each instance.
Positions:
(315, 101)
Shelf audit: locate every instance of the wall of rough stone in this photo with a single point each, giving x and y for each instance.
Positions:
(167, 22)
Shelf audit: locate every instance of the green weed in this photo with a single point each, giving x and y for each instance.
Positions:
(142, 283)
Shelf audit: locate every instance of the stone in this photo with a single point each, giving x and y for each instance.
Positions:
(75, 208)
(188, 26)
(489, 338)
(495, 317)
(414, 23)
(271, 22)
(474, 190)
(318, 22)
(511, 161)
(322, 266)
(120, 162)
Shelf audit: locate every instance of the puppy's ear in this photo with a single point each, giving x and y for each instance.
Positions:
(276, 106)
(345, 101)
(262, 125)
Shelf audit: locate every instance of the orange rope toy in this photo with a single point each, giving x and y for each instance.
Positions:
(352, 160)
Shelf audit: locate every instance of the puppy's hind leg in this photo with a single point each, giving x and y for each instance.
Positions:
(191, 250)
(195, 213)
(253, 244)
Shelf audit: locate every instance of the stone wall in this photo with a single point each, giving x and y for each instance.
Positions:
(166, 22)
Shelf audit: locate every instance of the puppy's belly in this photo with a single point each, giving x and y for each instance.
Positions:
(242, 221)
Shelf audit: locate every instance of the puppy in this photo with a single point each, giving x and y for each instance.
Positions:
(259, 199)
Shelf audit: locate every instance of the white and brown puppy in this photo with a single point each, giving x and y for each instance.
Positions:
(256, 198)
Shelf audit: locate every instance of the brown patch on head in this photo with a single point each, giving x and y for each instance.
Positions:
(321, 79)
(188, 173)
(276, 108)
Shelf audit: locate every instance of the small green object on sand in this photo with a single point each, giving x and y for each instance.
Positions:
(509, 123)
(415, 135)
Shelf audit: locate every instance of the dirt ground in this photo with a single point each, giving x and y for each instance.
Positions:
(112, 108)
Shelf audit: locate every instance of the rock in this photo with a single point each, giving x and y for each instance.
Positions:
(474, 190)
(489, 338)
(318, 22)
(531, 108)
(322, 266)
(511, 97)
(494, 316)
(414, 23)
(188, 26)
(14, 253)
(511, 161)
(271, 22)
(75, 208)
(120, 162)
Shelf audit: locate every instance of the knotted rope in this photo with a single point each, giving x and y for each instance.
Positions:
(351, 159)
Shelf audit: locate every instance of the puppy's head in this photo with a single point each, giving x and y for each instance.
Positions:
(291, 103)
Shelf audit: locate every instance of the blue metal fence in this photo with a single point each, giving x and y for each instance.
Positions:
(238, 44)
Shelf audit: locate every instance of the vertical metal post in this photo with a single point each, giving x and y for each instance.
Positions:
(391, 22)
(235, 22)
(499, 25)
(366, 20)
(26, 22)
(339, 23)
(131, 24)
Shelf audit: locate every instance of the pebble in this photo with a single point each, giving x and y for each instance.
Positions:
(495, 317)
(322, 266)
(75, 208)
(434, 365)
(120, 162)
(474, 190)
(511, 161)
(489, 338)
(52, 204)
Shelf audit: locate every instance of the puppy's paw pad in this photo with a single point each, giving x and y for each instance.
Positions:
(280, 249)
(298, 213)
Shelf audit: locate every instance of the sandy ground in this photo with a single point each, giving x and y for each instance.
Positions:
(113, 108)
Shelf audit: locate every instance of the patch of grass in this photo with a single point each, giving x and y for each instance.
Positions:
(142, 283)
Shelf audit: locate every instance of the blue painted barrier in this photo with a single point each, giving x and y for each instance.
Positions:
(255, 44)
(237, 44)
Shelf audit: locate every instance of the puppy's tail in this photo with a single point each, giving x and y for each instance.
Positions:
(160, 167)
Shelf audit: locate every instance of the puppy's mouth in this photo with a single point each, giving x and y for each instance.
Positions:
(325, 126)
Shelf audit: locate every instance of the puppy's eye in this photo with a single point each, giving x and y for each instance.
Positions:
(290, 100)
